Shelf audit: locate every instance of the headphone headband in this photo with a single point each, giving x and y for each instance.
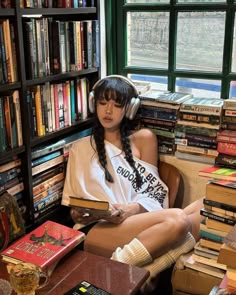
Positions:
(125, 79)
(133, 105)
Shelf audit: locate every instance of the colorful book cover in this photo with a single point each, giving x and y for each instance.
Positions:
(43, 246)
(219, 173)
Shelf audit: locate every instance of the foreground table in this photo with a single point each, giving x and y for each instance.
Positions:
(112, 276)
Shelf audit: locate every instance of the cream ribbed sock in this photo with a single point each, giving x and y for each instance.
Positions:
(133, 253)
(166, 260)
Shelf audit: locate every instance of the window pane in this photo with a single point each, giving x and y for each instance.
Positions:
(147, 39)
(147, 1)
(199, 87)
(234, 50)
(200, 40)
(232, 91)
(201, 1)
(157, 82)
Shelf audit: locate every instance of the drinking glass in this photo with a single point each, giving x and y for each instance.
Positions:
(26, 278)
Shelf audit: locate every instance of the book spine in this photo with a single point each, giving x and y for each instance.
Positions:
(212, 215)
(49, 191)
(47, 184)
(13, 123)
(47, 174)
(7, 111)
(47, 201)
(198, 150)
(210, 236)
(9, 175)
(45, 158)
(16, 189)
(46, 165)
(220, 205)
(200, 118)
(10, 165)
(46, 209)
(225, 138)
(3, 135)
(47, 149)
(17, 111)
(201, 109)
(227, 148)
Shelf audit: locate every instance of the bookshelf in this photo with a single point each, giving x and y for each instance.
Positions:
(25, 84)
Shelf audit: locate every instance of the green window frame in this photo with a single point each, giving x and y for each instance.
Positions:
(116, 35)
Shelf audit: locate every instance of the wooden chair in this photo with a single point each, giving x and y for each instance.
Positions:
(94, 242)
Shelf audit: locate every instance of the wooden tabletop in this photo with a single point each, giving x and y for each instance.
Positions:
(111, 276)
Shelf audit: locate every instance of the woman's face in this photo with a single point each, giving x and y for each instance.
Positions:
(110, 113)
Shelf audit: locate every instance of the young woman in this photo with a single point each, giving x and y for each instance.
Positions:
(118, 163)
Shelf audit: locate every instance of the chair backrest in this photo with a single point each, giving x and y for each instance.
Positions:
(171, 177)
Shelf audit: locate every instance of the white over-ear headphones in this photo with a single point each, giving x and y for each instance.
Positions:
(133, 106)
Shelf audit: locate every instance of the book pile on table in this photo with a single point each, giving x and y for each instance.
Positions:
(196, 129)
(219, 209)
(159, 112)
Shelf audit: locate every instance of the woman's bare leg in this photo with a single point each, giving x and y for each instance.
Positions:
(158, 231)
(193, 213)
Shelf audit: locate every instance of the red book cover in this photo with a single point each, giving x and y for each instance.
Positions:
(218, 173)
(227, 148)
(226, 136)
(44, 246)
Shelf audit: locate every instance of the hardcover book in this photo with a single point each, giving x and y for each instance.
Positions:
(44, 246)
(219, 173)
(203, 105)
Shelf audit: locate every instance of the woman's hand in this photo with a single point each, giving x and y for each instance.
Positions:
(85, 216)
(118, 214)
(122, 211)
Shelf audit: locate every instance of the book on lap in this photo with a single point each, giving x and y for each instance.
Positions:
(44, 246)
(102, 207)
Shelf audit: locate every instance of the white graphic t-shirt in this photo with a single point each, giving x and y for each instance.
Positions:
(85, 178)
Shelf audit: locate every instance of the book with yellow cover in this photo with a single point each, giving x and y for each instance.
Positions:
(102, 206)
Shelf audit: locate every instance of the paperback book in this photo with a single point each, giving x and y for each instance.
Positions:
(44, 246)
(203, 105)
(218, 173)
(102, 207)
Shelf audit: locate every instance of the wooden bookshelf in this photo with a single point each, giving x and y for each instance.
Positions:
(17, 16)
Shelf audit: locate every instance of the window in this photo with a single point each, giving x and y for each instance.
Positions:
(179, 45)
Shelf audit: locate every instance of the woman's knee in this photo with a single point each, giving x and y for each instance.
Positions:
(181, 223)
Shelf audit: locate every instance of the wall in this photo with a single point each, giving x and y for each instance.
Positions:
(193, 186)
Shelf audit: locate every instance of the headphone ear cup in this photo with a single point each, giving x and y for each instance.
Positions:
(91, 102)
(132, 108)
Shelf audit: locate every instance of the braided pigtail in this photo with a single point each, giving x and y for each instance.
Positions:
(98, 135)
(128, 153)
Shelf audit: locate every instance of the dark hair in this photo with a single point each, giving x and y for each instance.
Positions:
(122, 92)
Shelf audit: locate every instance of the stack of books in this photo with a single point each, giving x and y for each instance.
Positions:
(196, 130)
(219, 211)
(227, 255)
(226, 137)
(159, 112)
(48, 170)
